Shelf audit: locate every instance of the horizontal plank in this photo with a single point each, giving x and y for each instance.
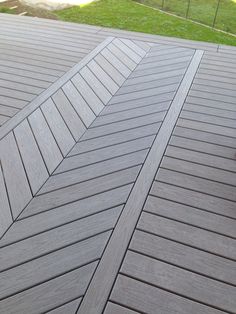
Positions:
(204, 136)
(200, 146)
(197, 184)
(146, 298)
(184, 256)
(191, 216)
(211, 128)
(188, 235)
(180, 281)
(194, 198)
(199, 170)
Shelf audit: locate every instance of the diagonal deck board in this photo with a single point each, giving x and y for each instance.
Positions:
(105, 193)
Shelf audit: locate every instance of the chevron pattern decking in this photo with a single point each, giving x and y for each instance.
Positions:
(117, 179)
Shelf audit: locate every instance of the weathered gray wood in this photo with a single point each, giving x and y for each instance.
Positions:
(123, 125)
(21, 87)
(24, 80)
(212, 111)
(109, 68)
(96, 85)
(98, 155)
(47, 296)
(92, 171)
(60, 237)
(194, 198)
(16, 180)
(197, 184)
(200, 135)
(95, 298)
(8, 111)
(158, 69)
(123, 57)
(183, 282)
(5, 211)
(51, 90)
(167, 55)
(167, 62)
(112, 308)
(186, 234)
(32, 159)
(69, 308)
(116, 138)
(69, 114)
(123, 69)
(184, 256)
(129, 114)
(191, 215)
(83, 110)
(45, 140)
(153, 77)
(147, 299)
(12, 102)
(129, 48)
(35, 224)
(211, 128)
(103, 77)
(52, 265)
(148, 85)
(88, 94)
(212, 96)
(58, 127)
(145, 93)
(216, 90)
(82, 190)
(198, 170)
(230, 123)
(199, 146)
(132, 104)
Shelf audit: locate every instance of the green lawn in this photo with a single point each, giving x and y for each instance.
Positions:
(202, 11)
(6, 10)
(129, 15)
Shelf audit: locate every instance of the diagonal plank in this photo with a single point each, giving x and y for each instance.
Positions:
(47, 129)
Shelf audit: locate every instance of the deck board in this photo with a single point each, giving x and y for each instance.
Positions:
(117, 171)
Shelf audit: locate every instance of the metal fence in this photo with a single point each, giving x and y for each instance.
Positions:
(219, 14)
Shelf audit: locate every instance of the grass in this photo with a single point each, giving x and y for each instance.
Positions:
(202, 11)
(129, 15)
(6, 10)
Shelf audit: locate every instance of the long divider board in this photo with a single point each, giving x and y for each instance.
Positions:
(103, 280)
(36, 140)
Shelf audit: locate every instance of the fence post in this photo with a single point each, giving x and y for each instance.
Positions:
(163, 2)
(217, 9)
(188, 9)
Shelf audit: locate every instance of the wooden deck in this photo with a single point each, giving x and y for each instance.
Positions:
(117, 172)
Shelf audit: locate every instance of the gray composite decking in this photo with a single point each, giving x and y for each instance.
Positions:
(117, 171)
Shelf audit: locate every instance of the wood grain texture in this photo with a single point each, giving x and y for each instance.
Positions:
(147, 299)
(95, 299)
(14, 173)
(185, 283)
